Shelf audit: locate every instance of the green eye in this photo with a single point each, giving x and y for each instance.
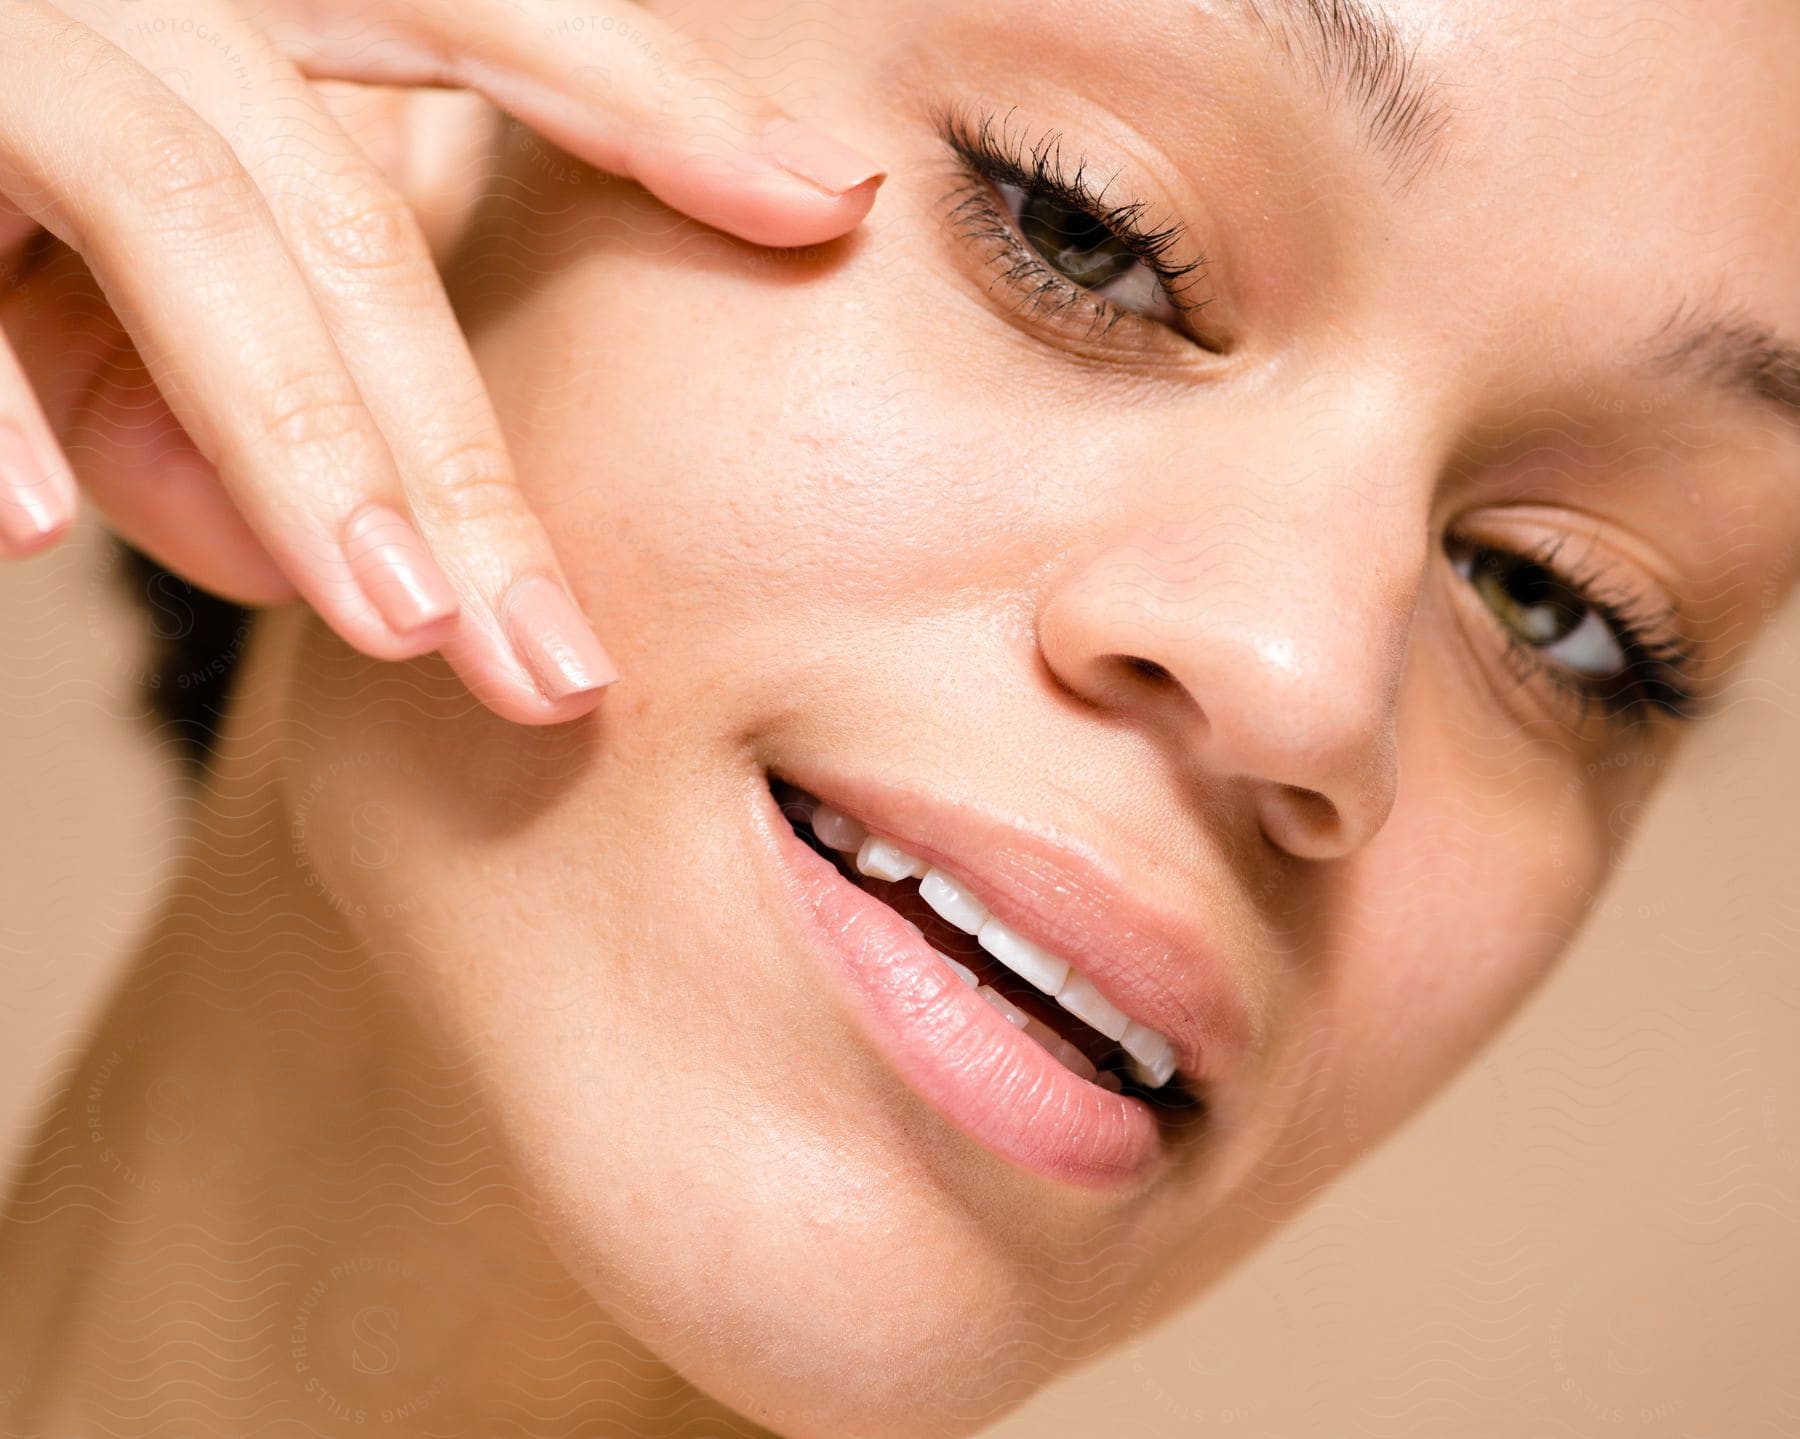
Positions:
(1541, 610)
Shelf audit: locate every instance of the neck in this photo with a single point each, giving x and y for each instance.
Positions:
(267, 1192)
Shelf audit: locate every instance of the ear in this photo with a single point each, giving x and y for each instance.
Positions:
(439, 148)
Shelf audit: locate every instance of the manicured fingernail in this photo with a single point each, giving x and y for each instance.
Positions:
(819, 160)
(36, 505)
(553, 639)
(396, 570)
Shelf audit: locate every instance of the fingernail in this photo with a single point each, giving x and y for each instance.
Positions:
(819, 160)
(553, 639)
(396, 571)
(36, 505)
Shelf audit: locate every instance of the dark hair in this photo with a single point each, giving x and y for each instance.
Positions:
(194, 640)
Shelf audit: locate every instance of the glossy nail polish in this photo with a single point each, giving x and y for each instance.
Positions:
(553, 639)
(36, 505)
(396, 571)
(818, 159)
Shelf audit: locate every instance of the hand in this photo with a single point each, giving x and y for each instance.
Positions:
(272, 395)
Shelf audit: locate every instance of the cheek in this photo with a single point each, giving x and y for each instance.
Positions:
(770, 450)
(1494, 854)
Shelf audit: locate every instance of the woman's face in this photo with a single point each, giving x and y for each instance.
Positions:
(1284, 630)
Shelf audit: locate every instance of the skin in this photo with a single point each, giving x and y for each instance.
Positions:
(495, 1039)
(211, 281)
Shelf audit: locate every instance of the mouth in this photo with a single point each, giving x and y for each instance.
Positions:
(1012, 1042)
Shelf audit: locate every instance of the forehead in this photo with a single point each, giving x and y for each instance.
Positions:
(1579, 173)
(1668, 109)
(1682, 112)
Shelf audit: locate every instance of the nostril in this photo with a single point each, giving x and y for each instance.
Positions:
(1148, 670)
(1303, 822)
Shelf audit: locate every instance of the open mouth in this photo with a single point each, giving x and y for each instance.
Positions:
(1047, 1000)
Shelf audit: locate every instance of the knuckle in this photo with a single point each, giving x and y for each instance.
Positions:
(189, 179)
(76, 52)
(472, 485)
(314, 410)
(360, 228)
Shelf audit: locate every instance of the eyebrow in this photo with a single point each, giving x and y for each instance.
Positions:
(1356, 49)
(1741, 357)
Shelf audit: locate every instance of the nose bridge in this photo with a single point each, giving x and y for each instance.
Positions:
(1264, 623)
(1313, 608)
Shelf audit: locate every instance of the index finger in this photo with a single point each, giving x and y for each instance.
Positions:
(618, 88)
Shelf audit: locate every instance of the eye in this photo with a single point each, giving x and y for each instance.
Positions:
(1088, 253)
(1077, 252)
(1542, 611)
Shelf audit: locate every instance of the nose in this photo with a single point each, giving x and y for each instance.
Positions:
(1268, 653)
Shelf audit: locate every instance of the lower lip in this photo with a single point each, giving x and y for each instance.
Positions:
(951, 1047)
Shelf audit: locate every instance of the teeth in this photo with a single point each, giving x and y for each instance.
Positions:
(1151, 1058)
(837, 830)
(1082, 1000)
(1071, 1057)
(1148, 1047)
(880, 859)
(954, 904)
(963, 972)
(1009, 1011)
(1022, 957)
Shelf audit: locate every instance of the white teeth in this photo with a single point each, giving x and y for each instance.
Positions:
(1022, 957)
(1151, 1058)
(1082, 1000)
(952, 902)
(1070, 1057)
(1151, 1050)
(837, 830)
(1152, 1076)
(1149, 1078)
(963, 972)
(880, 859)
(1009, 1011)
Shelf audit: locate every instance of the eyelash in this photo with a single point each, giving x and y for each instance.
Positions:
(1658, 674)
(990, 153)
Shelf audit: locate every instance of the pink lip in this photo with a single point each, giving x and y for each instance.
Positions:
(953, 1049)
(1149, 959)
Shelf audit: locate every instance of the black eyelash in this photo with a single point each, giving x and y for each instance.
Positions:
(1658, 676)
(991, 152)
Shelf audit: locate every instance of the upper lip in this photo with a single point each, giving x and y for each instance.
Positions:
(1069, 898)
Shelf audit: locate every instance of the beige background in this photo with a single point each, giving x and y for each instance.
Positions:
(1593, 1233)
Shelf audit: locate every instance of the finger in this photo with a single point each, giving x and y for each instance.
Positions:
(60, 327)
(141, 471)
(438, 148)
(103, 155)
(373, 279)
(131, 459)
(38, 500)
(15, 229)
(618, 88)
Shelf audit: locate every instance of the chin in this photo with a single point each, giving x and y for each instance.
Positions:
(836, 1156)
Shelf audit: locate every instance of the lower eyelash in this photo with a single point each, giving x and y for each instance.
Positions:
(990, 154)
(1038, 288)
(1658, 676)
